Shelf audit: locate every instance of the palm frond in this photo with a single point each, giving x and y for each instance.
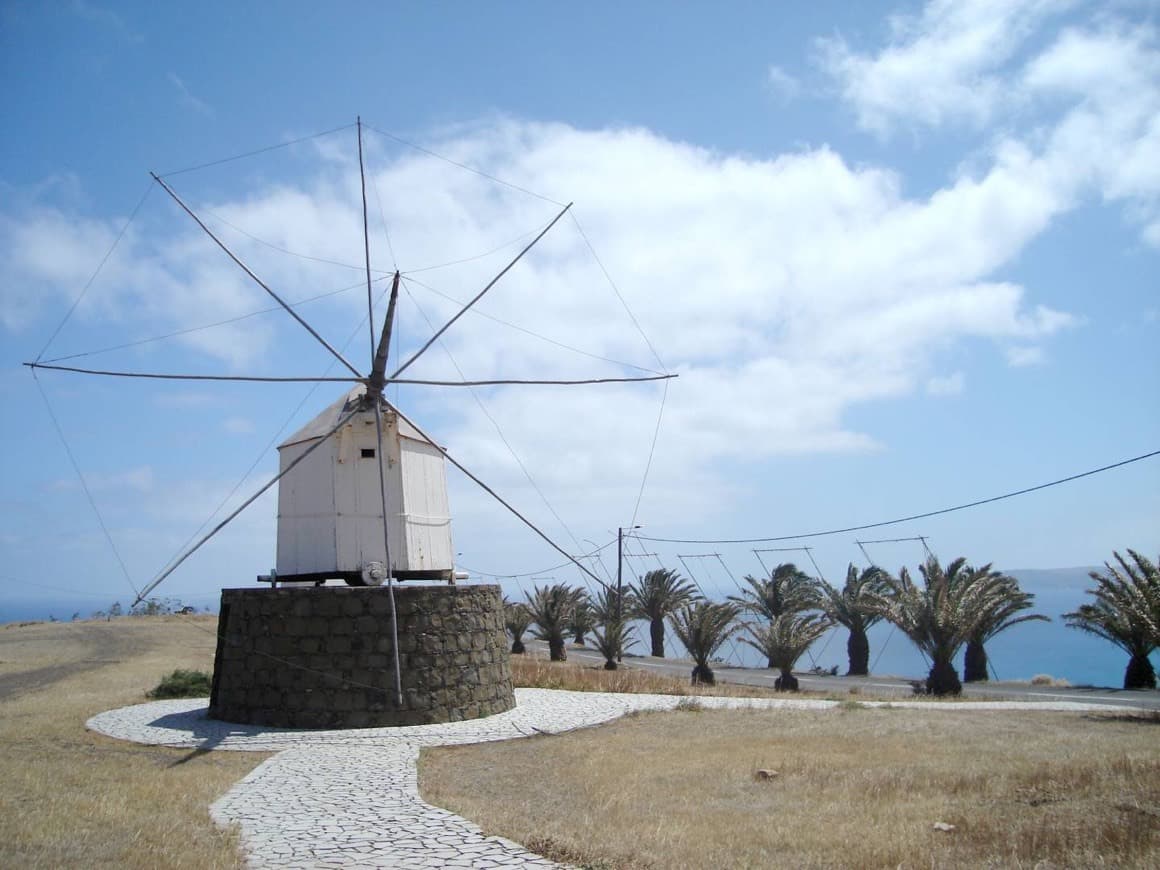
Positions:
(786, 639)
(703, 627)
(658, 594)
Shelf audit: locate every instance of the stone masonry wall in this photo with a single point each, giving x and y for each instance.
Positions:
(323, 657)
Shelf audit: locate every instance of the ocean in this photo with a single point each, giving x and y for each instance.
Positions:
(1019, 654)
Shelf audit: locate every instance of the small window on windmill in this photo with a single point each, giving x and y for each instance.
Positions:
(368, 453)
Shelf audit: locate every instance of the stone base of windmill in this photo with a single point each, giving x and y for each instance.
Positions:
(323, 657)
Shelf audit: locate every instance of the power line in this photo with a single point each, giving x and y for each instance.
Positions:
(904, 519)
(539, 572)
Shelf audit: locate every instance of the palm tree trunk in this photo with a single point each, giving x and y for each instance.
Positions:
(579, 638)
(975, 663)
(610, 664)
(1140, 674)
(858, 652)
(518, 647)
(943, 680)
(787, 682)
(556, 651)
(703, 675)
(656, 633)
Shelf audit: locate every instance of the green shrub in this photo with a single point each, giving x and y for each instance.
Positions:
(183, 684)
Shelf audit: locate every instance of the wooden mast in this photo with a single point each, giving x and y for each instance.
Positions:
(373, 398)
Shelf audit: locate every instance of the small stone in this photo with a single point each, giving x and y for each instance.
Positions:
(764, 773)
(944, 827)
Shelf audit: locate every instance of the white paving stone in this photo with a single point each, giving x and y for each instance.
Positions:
(350, 798)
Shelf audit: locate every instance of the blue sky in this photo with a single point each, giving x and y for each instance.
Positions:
(901, 260)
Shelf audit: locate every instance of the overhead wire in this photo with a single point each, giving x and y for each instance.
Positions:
(541, 570)
(730, 640)
(906, 519)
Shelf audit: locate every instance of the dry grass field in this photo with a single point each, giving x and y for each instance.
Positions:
(855, 787)
(71, 798)
(534, 669)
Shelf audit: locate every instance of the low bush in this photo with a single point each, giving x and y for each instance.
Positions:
(183, 684)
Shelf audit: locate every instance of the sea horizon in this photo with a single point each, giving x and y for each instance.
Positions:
(1019, 654)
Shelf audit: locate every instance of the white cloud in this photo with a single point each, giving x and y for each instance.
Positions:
(786, 292)
(781, 83)
(238, 425)
(1021, 356)
(947, 385)
(1079, 107)
(106, 18)
(942, 66)
(187, 97)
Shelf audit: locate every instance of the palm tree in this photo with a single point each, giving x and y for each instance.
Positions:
(849, 606)
(516, 620)
(659, 594)
(583, 620)
(1126, 611)
(551, 609)
(785, 640)
(612, 639)
(606, 606)
(938, 617)
(703, 627)
(1004, 612)
(788, 590)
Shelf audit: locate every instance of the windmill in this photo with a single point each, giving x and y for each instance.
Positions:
(362, 488)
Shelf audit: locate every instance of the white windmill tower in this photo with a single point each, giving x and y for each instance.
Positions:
(373, 495)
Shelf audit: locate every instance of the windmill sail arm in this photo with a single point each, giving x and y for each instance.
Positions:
(181, 377)
(479, 295)
(254, 277)
(503, 381)
(173, 567)
(499, 498)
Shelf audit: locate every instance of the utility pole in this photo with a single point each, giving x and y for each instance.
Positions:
(620, 578)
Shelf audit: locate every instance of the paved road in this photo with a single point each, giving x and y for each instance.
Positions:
(889, 686)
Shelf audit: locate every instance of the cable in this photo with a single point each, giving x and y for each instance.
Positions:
(464, 166)
(616, 290)
(495, 250)
(651, 451)
(540, 571)
(191, 329)
(529, 332)
(266, 449)
(84, 484)
(499, 431)
(96, 272)
(478, 295)
(909, 518)
(268, 148)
